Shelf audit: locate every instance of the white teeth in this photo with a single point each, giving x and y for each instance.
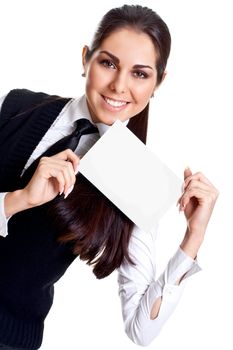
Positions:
(115, 103)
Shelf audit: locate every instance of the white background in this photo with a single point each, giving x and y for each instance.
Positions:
(41, 43)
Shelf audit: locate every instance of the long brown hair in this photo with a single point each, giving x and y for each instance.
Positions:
(98, 231)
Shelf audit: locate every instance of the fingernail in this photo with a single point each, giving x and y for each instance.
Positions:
(61, 191)
(68, 191)
(76, 170)
(183, 186)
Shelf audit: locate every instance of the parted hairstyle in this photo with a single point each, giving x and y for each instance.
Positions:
(97, 230)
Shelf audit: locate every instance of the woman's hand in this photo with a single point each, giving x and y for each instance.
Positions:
(197, 202)
(54, 175)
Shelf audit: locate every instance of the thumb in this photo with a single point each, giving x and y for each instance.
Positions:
(187, 172)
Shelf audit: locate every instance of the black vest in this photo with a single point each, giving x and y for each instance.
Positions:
(31, 259)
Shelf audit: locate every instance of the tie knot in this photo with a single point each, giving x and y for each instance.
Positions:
(84, 127)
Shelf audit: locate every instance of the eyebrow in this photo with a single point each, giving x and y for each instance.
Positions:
(117, 60)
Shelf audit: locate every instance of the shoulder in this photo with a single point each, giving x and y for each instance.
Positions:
(25, 97)
(143, 240)
(18, 101)
(25, 94)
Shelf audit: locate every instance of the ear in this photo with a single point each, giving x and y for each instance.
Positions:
(84, 53)
(164, 76)
(157, 86)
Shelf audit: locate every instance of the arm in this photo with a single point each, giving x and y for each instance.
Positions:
(3, 218)
(147, 303)
(197, 202)
(140, 290)
(53, 175)
(10, 204)
(2, 98)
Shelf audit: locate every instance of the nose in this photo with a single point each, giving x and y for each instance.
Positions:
(119, 83)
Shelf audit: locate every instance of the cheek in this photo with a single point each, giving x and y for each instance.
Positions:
(143, 93)
(96, 78)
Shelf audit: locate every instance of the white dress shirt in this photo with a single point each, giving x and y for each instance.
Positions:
(139, 286)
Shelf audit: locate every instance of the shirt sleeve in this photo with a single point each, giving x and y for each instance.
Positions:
(3, 219)
(2, 98)
(139, 288)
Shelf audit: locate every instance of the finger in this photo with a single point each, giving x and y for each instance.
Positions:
(61, 181)
(192, 185)
(61, 170)
(198, 176)
(187, 172)
(68, 155)
(200, 194)
(62, 185)
(70, 189)
(184, 200)
(53, 173)
(69, 176)
(57, 163)
(198, 184)
(64, 181)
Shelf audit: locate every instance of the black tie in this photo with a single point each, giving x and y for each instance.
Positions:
(83, 127)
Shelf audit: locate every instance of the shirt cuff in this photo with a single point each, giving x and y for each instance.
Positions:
(3, 219)
(171, 282)
(179, 267)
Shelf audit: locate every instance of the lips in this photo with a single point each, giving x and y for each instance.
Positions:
(114, 103)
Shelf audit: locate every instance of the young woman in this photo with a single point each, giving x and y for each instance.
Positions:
(50, 213)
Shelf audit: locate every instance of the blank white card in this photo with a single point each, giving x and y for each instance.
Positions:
(131, 176)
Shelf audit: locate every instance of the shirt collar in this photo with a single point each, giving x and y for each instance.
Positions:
(78, 109)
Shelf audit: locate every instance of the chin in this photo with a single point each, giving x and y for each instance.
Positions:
(108, 119)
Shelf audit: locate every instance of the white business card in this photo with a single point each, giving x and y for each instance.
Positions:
(129, 174)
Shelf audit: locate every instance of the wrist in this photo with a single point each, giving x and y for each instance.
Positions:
(195, 235)
(15, 202)
(192, 242)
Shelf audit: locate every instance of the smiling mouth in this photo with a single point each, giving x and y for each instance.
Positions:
(114, 103)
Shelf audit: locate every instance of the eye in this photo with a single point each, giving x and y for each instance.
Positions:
(140, 74)
(108, 64)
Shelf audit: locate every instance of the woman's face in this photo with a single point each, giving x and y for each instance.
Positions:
(120, 76)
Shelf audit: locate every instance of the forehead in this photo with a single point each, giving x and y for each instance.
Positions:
(131, 46)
